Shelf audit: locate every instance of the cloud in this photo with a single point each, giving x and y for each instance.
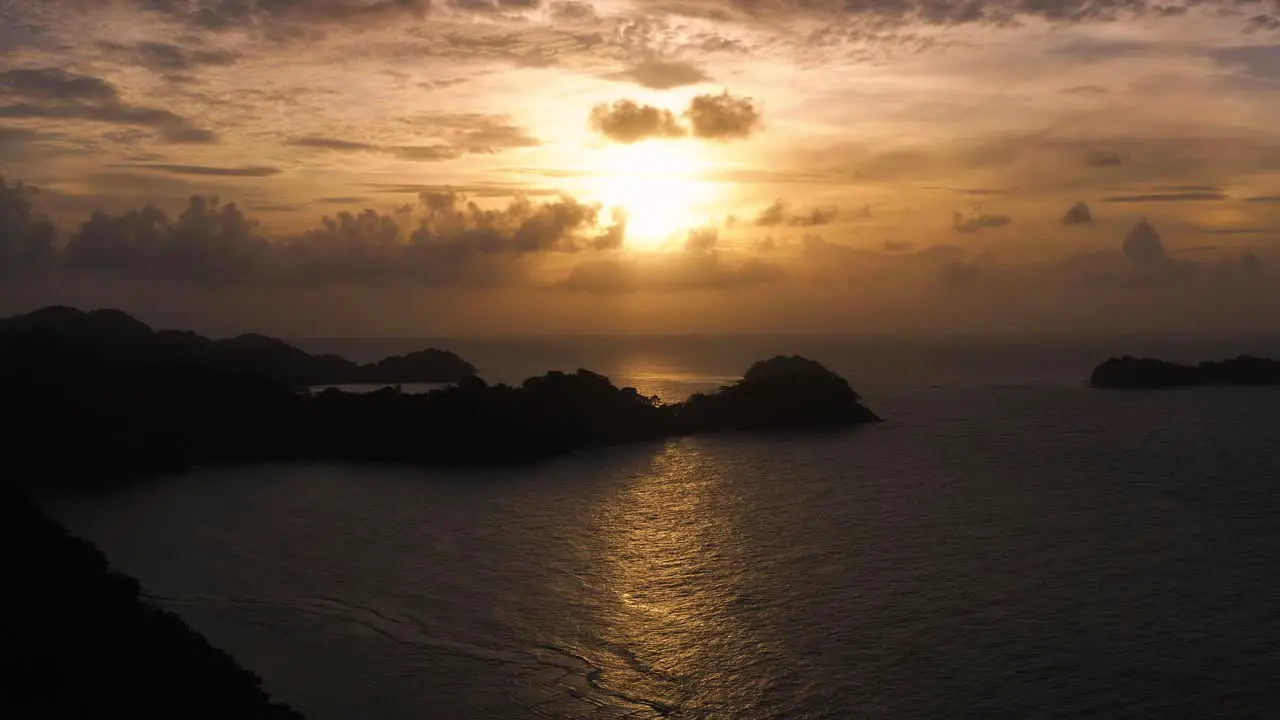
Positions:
(207, 242)
(52, 94)
(225, 15)
(1167, 197)
(166, 58)
(977, 223)
(1260, 61)
(702, 239)
(479, 134)
(1102, 158)
(470, 134)
(494, 6)
(892, 14)
(625, 121)
(1143, 245)
(661, 74)
(26, 237)
(255, 171)
(445, 239)
(722, 117)
(571, 11)
(669, 273)
(1078, 214)
(1263, 199)
(776, 214)
(1085, 90)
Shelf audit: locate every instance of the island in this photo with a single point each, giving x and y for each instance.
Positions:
(99, 398)
(118, 339)
(1133, 373)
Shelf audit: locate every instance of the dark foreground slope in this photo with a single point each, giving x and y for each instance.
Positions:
(77, 640)
(121, 340)
(1133, 373)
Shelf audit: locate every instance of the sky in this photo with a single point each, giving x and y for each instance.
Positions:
(497, 167)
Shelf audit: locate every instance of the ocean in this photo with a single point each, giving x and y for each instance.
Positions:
(1010, 543)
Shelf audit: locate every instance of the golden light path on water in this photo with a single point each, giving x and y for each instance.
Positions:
(674, 570)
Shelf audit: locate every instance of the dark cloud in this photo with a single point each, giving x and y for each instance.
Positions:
(626, 121)
(571, 11)
(1143, 245)
(223, 15)
(245, 172)
(722, 117)
(479, 190)
(495, 6)
(1092, 49)
(324, 143)
(477, 133)
(342, 200)
(1085, 90)
(167, 58)
(978, 191)
(445, 239)
(661, 74)
(895, 246)
(702, 239)
(52, 94)
(1102, 158)
(1167, 197)
(473, 134)
(1078, 214)
(776, 214)
(182, 135)
(1259, 61)
(208, 242)
(892, 14)
(26, 236)
(1263, 199)
(977, 223)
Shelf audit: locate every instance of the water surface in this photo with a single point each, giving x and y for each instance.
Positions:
(1010, 544)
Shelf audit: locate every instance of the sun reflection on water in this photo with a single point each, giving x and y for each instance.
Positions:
(672, 568)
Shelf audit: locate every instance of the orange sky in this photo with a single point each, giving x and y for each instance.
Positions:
(702, 166)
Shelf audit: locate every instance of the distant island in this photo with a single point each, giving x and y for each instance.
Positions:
(100, 397)
(115, 338)
(1132, 373)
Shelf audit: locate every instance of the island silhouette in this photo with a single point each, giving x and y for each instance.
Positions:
(1133, 373)
(105, 398)
(116, 338)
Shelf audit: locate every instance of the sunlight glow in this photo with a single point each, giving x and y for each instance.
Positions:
(657, 185)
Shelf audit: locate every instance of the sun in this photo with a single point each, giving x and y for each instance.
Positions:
(657, 185)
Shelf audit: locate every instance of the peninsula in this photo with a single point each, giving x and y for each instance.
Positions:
(103, 398)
